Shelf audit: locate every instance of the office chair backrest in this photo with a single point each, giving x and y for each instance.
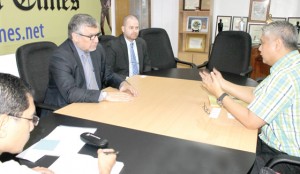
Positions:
(159, 48)
(33, 66)
(104, 39)
(231, 52)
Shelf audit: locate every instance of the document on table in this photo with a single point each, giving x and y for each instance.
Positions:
(78, 164)
(62, 140)
(213, 101)
(215, 108)
(215, 112)
(65, 142)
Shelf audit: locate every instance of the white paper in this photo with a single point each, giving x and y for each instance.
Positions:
(62, 140)
(215, 112)
(230, 116)
(79, 164)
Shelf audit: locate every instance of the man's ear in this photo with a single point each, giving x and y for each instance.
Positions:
(74, 37)
(3, 125)
(279, 43)
(122, 28)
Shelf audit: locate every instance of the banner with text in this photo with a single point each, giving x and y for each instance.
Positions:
(26, 21)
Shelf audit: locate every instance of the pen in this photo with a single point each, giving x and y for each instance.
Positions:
(113, 152)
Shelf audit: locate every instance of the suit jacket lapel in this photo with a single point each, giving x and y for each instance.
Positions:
(124, 49)
(77, 59)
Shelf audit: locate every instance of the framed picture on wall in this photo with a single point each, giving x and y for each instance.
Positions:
(239, 23)
(255, 32)
(259, 10)
(205, 5)
(195, 42)
(278, 19)
(223, 23)
(296, 22)
(190, 5)
(199, 19)
(142, 10)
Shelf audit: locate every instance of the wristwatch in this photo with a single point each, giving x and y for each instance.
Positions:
(220, 99)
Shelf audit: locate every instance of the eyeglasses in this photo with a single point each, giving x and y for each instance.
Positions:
(205, 108)
(35, 119)
(92, 37)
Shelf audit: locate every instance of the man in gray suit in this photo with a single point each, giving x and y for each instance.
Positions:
(127, 55)
(78, 70)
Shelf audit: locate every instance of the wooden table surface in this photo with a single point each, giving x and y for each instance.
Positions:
(171, 107)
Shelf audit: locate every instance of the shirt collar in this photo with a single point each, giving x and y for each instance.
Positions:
(128, 42)
(80, 51)
(285, 61)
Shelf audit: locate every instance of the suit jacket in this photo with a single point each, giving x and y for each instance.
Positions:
(117, 56)
(67, 82)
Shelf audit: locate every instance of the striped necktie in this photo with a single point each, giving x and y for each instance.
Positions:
(134, 64)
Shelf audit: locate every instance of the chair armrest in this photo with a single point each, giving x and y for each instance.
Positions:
(192, 65)
(259, 79)
(46, 106)
(154, 68)
(246, 73)
(283, 159)
(202, 65)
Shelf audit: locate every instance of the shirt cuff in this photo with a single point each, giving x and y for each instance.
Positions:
(102, 96)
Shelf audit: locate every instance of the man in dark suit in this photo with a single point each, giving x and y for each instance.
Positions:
(78, 70)
(127, 55)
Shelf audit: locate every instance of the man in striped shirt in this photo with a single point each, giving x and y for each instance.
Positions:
(274, 103)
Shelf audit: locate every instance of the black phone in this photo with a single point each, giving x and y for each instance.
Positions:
(94, 140)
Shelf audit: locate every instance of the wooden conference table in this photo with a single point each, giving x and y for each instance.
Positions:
(165, 129)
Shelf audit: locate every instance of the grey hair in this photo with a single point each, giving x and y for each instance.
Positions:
(285, 31)
(81, 20)
(13, 95)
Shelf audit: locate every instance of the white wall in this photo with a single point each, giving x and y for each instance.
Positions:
(8, 64)
(164, 14)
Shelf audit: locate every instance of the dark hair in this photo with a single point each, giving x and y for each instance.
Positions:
(284, 30)
(78, 21)
(13, 95)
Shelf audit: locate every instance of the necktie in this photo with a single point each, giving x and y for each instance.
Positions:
(134, 64)
(90, 78)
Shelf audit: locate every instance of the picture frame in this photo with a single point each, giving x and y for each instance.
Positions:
(191, 5)
(237, 25)
(278, 19)
(259, 10)
(226, 20)
(294, 20)
(142, 10)
(204, 5)
(255, 32)
(195, 42)
(204, 23)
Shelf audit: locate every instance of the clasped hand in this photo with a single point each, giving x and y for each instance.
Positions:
(212, 81)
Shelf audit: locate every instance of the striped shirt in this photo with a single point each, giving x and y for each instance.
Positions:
(277, 102)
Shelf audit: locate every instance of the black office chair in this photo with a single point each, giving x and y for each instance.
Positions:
(160, 49)
(104, 39)
(231, 53)
(287, 159)
(33, 66)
